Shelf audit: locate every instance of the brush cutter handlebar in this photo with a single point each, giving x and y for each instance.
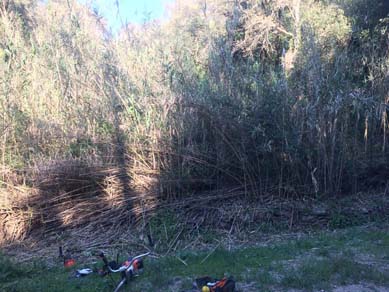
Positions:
(127, 267)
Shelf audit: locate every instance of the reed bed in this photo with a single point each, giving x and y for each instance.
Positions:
(98, 129)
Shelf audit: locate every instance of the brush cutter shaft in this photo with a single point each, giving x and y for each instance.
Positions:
(120, 285)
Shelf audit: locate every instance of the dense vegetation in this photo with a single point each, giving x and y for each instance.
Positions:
(288, 97)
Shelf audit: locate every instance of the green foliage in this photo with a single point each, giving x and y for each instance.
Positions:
(331, 28)
(80, 148)
(105, 128)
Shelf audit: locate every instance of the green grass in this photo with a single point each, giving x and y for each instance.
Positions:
(320, 273)
(315, 261)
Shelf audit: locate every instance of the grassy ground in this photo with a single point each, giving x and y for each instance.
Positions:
(327, 260)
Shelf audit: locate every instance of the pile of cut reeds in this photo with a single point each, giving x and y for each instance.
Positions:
(69, 194)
